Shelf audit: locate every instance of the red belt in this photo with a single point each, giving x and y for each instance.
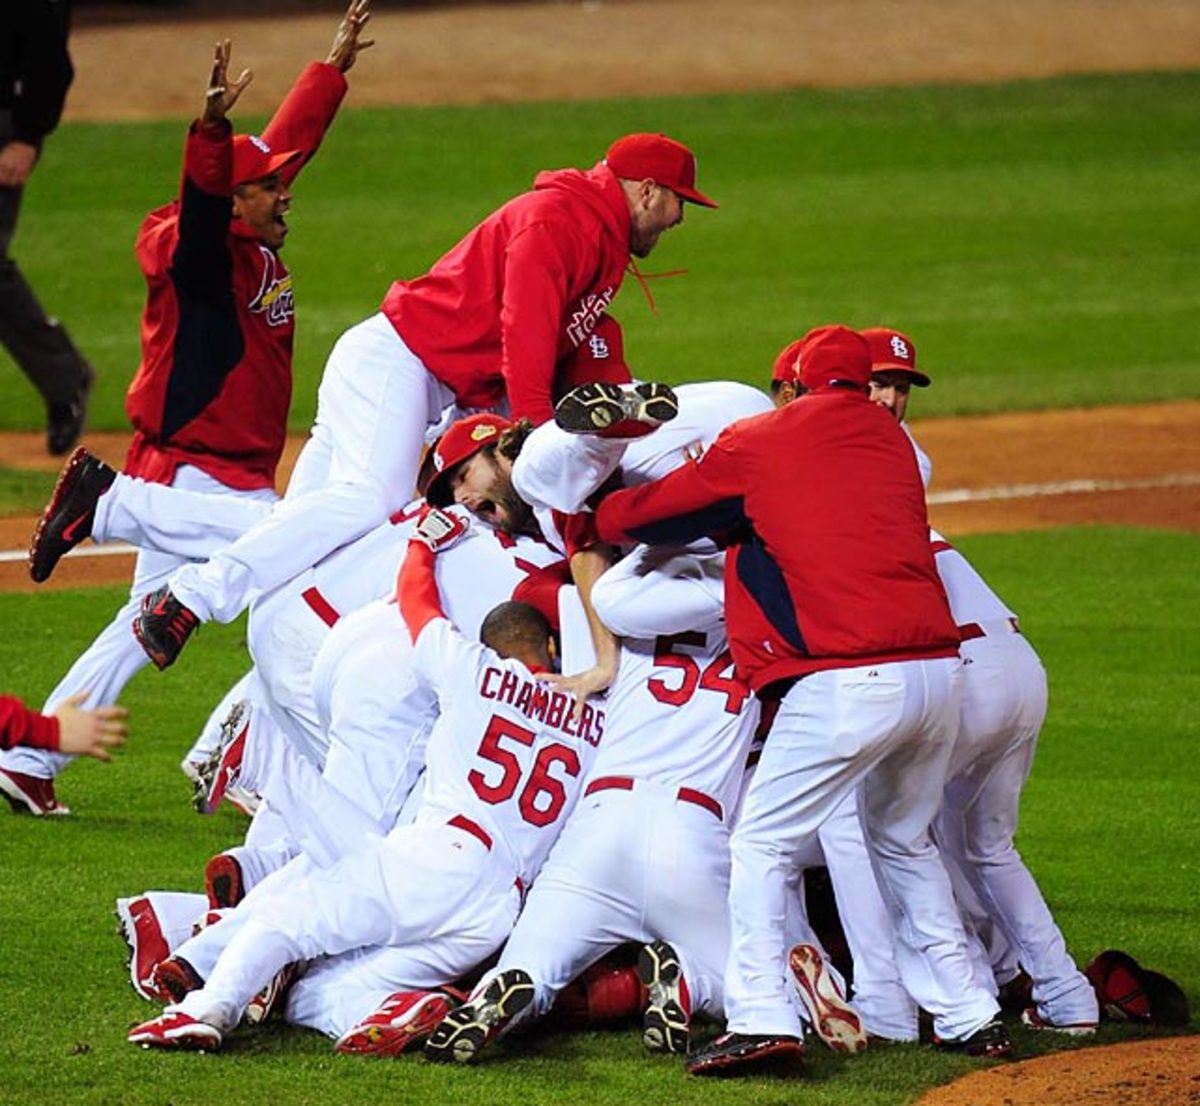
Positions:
(971, 630)
(683, 795)
(321, 606)
(462, 822)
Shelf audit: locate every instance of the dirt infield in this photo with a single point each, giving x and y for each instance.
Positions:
(1126, 465)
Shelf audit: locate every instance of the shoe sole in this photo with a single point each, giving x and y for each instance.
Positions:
(590, 408)
(158, 658)
(214, 777)
(193, 1038)
(1075, 1029)
(223, 882)
(175, 981)
(40, 572)
(782, 1054)
(831, 1016)
(656, 404)
(665, 1025)
(461, 1035)
(24, 803)
(392, 1039)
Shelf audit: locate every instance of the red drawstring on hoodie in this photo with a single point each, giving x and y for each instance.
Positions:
(641, 278)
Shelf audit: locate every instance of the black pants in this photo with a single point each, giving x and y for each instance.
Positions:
(38, 344)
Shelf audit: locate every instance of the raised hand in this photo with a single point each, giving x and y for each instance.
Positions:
(346, 44)
(222, 94)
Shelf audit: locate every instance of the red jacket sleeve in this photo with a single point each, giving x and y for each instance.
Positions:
(700, 499)
(541, 263)
(306, 114)
(417, 590)
(21, 726)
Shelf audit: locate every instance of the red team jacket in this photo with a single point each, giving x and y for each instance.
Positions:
(829, 564)
(21, 726)
(215, 380)
(519, 292)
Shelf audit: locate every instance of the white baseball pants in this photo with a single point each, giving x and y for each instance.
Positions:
(375, 402)
(889, 728)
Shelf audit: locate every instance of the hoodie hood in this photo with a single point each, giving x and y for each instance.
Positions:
(597, 187)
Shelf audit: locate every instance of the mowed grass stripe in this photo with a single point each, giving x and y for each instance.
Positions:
(1034, 237)
(1110, 826)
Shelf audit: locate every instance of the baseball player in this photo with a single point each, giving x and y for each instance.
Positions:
(877, 705)
(503, 770)
(645, 855)
(217, 334)
(488, 322)
(1003, 708)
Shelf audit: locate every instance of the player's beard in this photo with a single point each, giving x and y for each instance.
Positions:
(516, 516)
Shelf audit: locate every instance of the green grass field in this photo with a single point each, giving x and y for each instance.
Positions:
(1037, 239)
(1111, 825)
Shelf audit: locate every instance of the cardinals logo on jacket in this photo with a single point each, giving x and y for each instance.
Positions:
(274, 299)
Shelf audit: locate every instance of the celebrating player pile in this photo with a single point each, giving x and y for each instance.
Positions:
(557, 738)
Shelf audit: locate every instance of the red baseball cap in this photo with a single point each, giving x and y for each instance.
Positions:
(662, 159)
(830, 354)
(253, 159)
(892, 351)
(460, 443)
(785, 368)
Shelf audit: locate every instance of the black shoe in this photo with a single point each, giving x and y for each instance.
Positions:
(615, 410)
(461, 1034)
(65, 421)
(163, 627)
(68, 517)
(666, 1021)
(747, 1054)
(989, 1043)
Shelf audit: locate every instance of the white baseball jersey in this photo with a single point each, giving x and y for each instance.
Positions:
(971, 600)
(505, 752)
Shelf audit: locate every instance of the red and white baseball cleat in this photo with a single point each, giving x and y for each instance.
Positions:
(262, 1005)
(667, 1020)
(403, 1019)
(176, 1031)
(832, 1018)
(220, 771)
(176, 978)
(223, 881)
(163, 626)
(142, 930)
(31, 794)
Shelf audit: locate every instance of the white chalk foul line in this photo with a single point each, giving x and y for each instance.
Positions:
(1061, 487)
(936, 499)
(114, 549)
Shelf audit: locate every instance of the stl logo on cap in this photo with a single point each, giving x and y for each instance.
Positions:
(484, 430)
(900, 348)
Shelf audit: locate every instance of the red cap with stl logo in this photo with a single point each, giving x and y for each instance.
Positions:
(786, 368)
(253, 159)
(892, 351)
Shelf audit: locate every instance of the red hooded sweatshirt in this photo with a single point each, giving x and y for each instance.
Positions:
(519, 292)
(215, 381)
(829, 561)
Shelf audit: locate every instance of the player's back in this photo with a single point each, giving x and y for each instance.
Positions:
(505, 753)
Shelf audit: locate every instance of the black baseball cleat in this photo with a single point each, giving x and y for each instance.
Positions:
(748, 1054)
(990, 1042)
(68, 517)
(163, 626)
(665, 1024)
(462, 1034)
(615, 410)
